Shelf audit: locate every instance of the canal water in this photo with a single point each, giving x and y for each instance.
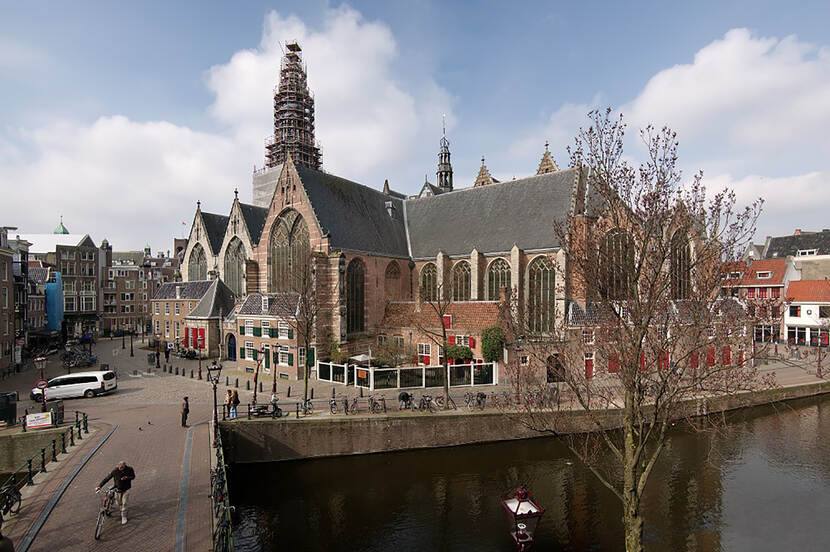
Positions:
(762, 484)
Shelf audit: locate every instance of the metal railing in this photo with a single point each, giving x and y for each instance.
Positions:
(220, 501)
(24, 475)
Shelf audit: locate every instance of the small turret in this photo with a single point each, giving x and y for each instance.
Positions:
(444, 172)
(547, 164)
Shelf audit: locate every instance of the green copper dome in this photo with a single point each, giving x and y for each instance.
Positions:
(60, 229)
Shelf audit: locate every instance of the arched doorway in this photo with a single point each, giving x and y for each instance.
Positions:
(231, 347)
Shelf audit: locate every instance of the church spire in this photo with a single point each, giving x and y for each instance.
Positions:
(293, 115)
(547, 164)
(444, 172)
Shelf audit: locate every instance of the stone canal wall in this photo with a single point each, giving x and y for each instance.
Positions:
(267, 440)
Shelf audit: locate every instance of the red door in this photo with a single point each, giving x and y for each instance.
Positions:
(589, 368)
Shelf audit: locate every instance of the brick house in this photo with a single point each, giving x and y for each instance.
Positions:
(807, 315)
(6, 302)
(265, 334)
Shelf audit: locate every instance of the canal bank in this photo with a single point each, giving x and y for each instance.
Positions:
(266, 440)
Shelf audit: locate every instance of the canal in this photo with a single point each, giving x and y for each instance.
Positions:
(763, 483)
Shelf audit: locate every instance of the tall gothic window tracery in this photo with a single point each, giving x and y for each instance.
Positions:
(392, 280)
(461, 281)
(498, 277)
(681, 266)
(289, 252)
(197, 267)
(355, 284)
(429, 282)
(235, 266)
(616, 255)
(540, 295)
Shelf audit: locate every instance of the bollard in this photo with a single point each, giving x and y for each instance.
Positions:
(29, 479)
(332, 392)
(71, 436)
(177, 370)
(43, 460)
(247, 385)
(191, 374)
(361, 392)
(236, 383)
(24, 421)
(63, 443)
(312, 393)
(76, 416)
(260, 387)
(249, 411)
(224, 411)
(289, 391)
(54, 451)
(298, 411)
(227, 381)
(86, 426)
(78, 430)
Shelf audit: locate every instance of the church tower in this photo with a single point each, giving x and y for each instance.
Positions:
(293, 115)
(444, 172)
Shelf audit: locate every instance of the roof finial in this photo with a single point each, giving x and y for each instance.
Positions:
(546, 145)
(198, 204)
(482, 160)
(236, 193)
(444, 124)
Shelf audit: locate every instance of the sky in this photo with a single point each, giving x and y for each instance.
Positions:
(120, 116)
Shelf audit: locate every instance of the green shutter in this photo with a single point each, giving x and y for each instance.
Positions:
(310, 356)
(291, 359)
(290, 333)
(257, 331)
(255, 354)
(241, 330)
(267, 360)
(242, 352)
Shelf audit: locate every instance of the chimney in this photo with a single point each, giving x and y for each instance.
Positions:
(178, 292)
(390, 209)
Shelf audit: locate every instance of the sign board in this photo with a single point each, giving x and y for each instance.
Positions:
(22, 340)
(169, 345)
(39, 420)
(41, 384)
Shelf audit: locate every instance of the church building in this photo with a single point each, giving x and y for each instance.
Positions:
(377, 255)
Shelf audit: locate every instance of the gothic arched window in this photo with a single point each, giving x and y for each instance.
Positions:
(616, 265)
(429, 282)
(235, 266)
(289, 253)
(540, 295)
(393, 280)
(681, 266)
(498, 277)
(461, 286)
(355, 280)
(197, 267)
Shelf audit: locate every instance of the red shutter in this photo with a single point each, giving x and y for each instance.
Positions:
(710, 356)
(472, 342)
(201, 338)
(186, 336)
(740, 357)
(613, 364)
(426, 360)
(693, 360)
(589, 368)
(448, 321)
(664, 360)
(727, 356)
(642, 362)
(451, 339)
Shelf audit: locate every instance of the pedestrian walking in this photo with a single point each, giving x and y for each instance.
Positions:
(234, 403)
(6, 544)
(122, 477)
(229, 403)
(167, 355)
(185, 411)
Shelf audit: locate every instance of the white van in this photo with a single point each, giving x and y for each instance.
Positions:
(79, 384)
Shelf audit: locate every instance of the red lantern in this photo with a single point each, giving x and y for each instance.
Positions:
(524, 515)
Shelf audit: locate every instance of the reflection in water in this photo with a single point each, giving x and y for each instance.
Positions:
(763, 484)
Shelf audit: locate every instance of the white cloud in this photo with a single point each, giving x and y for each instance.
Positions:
(133, 182)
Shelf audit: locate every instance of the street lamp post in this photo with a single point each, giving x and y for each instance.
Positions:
(214, 373)
(40, 362)
(524, 515)
(123, 346)
(200, 345)
(158, 352)
(131, 344)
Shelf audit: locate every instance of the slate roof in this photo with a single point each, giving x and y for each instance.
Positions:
(38, 275)
(809, 291)
(47, 243)
(217, 297)
(279, 304)
(215, 226)
(129, 258)
(189, 290)
(254, 219)
(354, 215)
(491, 218)
(782, 246)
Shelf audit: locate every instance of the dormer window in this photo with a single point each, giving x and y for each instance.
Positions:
(765, 275)
(735, 275)
(806, 252)
(264, 304)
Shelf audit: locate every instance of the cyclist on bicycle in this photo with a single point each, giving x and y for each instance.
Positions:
(122, 476)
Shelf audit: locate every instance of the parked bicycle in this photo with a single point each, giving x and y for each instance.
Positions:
(217, 484)
(222, 532)
(354, 408)
(377, 405)
(333, 406)
(307, 407)
(104, 509)
(427, 403)
(475, 400)
(10, 500)
(440, 401)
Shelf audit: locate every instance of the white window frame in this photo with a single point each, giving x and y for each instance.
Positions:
(167, 329)
(283, 355)
(283, 328)
(176, 308)
(176, 330)
(266, 328)
(806, 252)
(249, 350)
(69, 298)
(424, 349)
(398, 341)
(157, 308)
(266, 352)
(249, 329)
(764, 274)
(462, 340)
(588, 336)
(301, 356)
(382, 339)
(167, 308)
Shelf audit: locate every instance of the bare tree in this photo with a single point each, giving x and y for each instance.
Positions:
(646, 337)
(300, 307)
(434, 305)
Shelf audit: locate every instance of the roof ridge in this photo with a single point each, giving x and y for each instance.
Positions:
(495, 185)
(330, 175)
